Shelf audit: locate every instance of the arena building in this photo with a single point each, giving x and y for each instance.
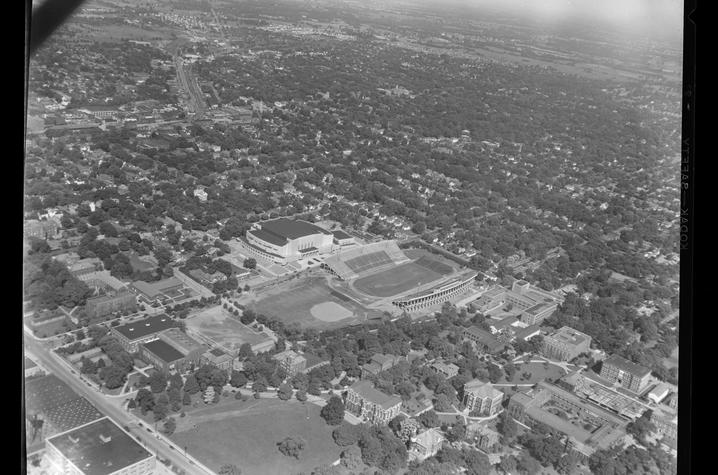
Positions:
(437, 295)
(286, 240)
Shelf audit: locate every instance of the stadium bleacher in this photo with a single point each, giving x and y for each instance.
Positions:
(375, 259)
(354, 262)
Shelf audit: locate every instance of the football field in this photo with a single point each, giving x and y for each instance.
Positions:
(402, 278)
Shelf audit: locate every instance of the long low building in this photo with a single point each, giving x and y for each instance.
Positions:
(99, 448)
(437, 295)
(586, 426)
(172, 350)
(130, 335)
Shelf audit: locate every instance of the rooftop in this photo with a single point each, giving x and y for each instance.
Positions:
(481, 389)
(163, 350)
(429, 438)
(339, 234)
(145, 327)
(530, 330)
(182, 340)
(627, 366)
(291, 228)
(99, 448)
(569, 335)
(484, 337)
(366, 390)
(154, 289)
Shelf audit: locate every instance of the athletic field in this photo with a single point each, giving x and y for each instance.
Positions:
(310, 302)
(217, 325)
(402, 278)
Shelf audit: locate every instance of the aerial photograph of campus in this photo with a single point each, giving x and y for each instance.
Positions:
(337, 237)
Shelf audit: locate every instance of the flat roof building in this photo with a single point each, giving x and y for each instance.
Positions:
(218, 358)
(625, 373)
(153, 290)
(131, 334)
(587, 426)
(566, 344)
(99, 448)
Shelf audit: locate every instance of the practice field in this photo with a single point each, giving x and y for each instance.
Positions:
(246, 434)
(311, 303)
(402, 278)
(217, 325)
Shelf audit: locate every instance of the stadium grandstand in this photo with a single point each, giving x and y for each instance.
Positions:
(353, 263)
(437, 295)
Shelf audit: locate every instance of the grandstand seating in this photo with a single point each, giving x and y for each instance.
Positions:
(354, 262)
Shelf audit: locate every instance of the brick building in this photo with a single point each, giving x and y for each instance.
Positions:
(363, 400)
(626, 374)
(110, 303)
(565, 344)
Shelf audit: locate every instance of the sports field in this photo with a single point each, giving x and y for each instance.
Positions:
(217, 325)
(246, 433)
(402, 278)
(312, 303)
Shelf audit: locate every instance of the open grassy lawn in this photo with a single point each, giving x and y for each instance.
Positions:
(246, 434)
(538, 373)
(294, 300)
(397, 280)
(218, 325)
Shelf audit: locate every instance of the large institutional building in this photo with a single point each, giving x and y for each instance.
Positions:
(587, 427)
(534, 304)
(626, 374)
(172, 350)
(565, 344)
(375, 407)
(131, 335)
(99, 448)
(286, 240)
(482, 397)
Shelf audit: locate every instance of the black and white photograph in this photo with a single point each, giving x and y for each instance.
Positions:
(355, 237)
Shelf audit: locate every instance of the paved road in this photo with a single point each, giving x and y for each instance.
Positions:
(112, 408)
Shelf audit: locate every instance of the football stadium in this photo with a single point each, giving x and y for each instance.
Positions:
(382, 273)
(363, 282)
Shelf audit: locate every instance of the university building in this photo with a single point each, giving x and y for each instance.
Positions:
(110, 303)
(379, 363)
(565, 344)
(363, 400)
(131, 335)
(172, 350)
(98, 448)
(586, 426)
(482, 397)
(626, 374)
(291, 362)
